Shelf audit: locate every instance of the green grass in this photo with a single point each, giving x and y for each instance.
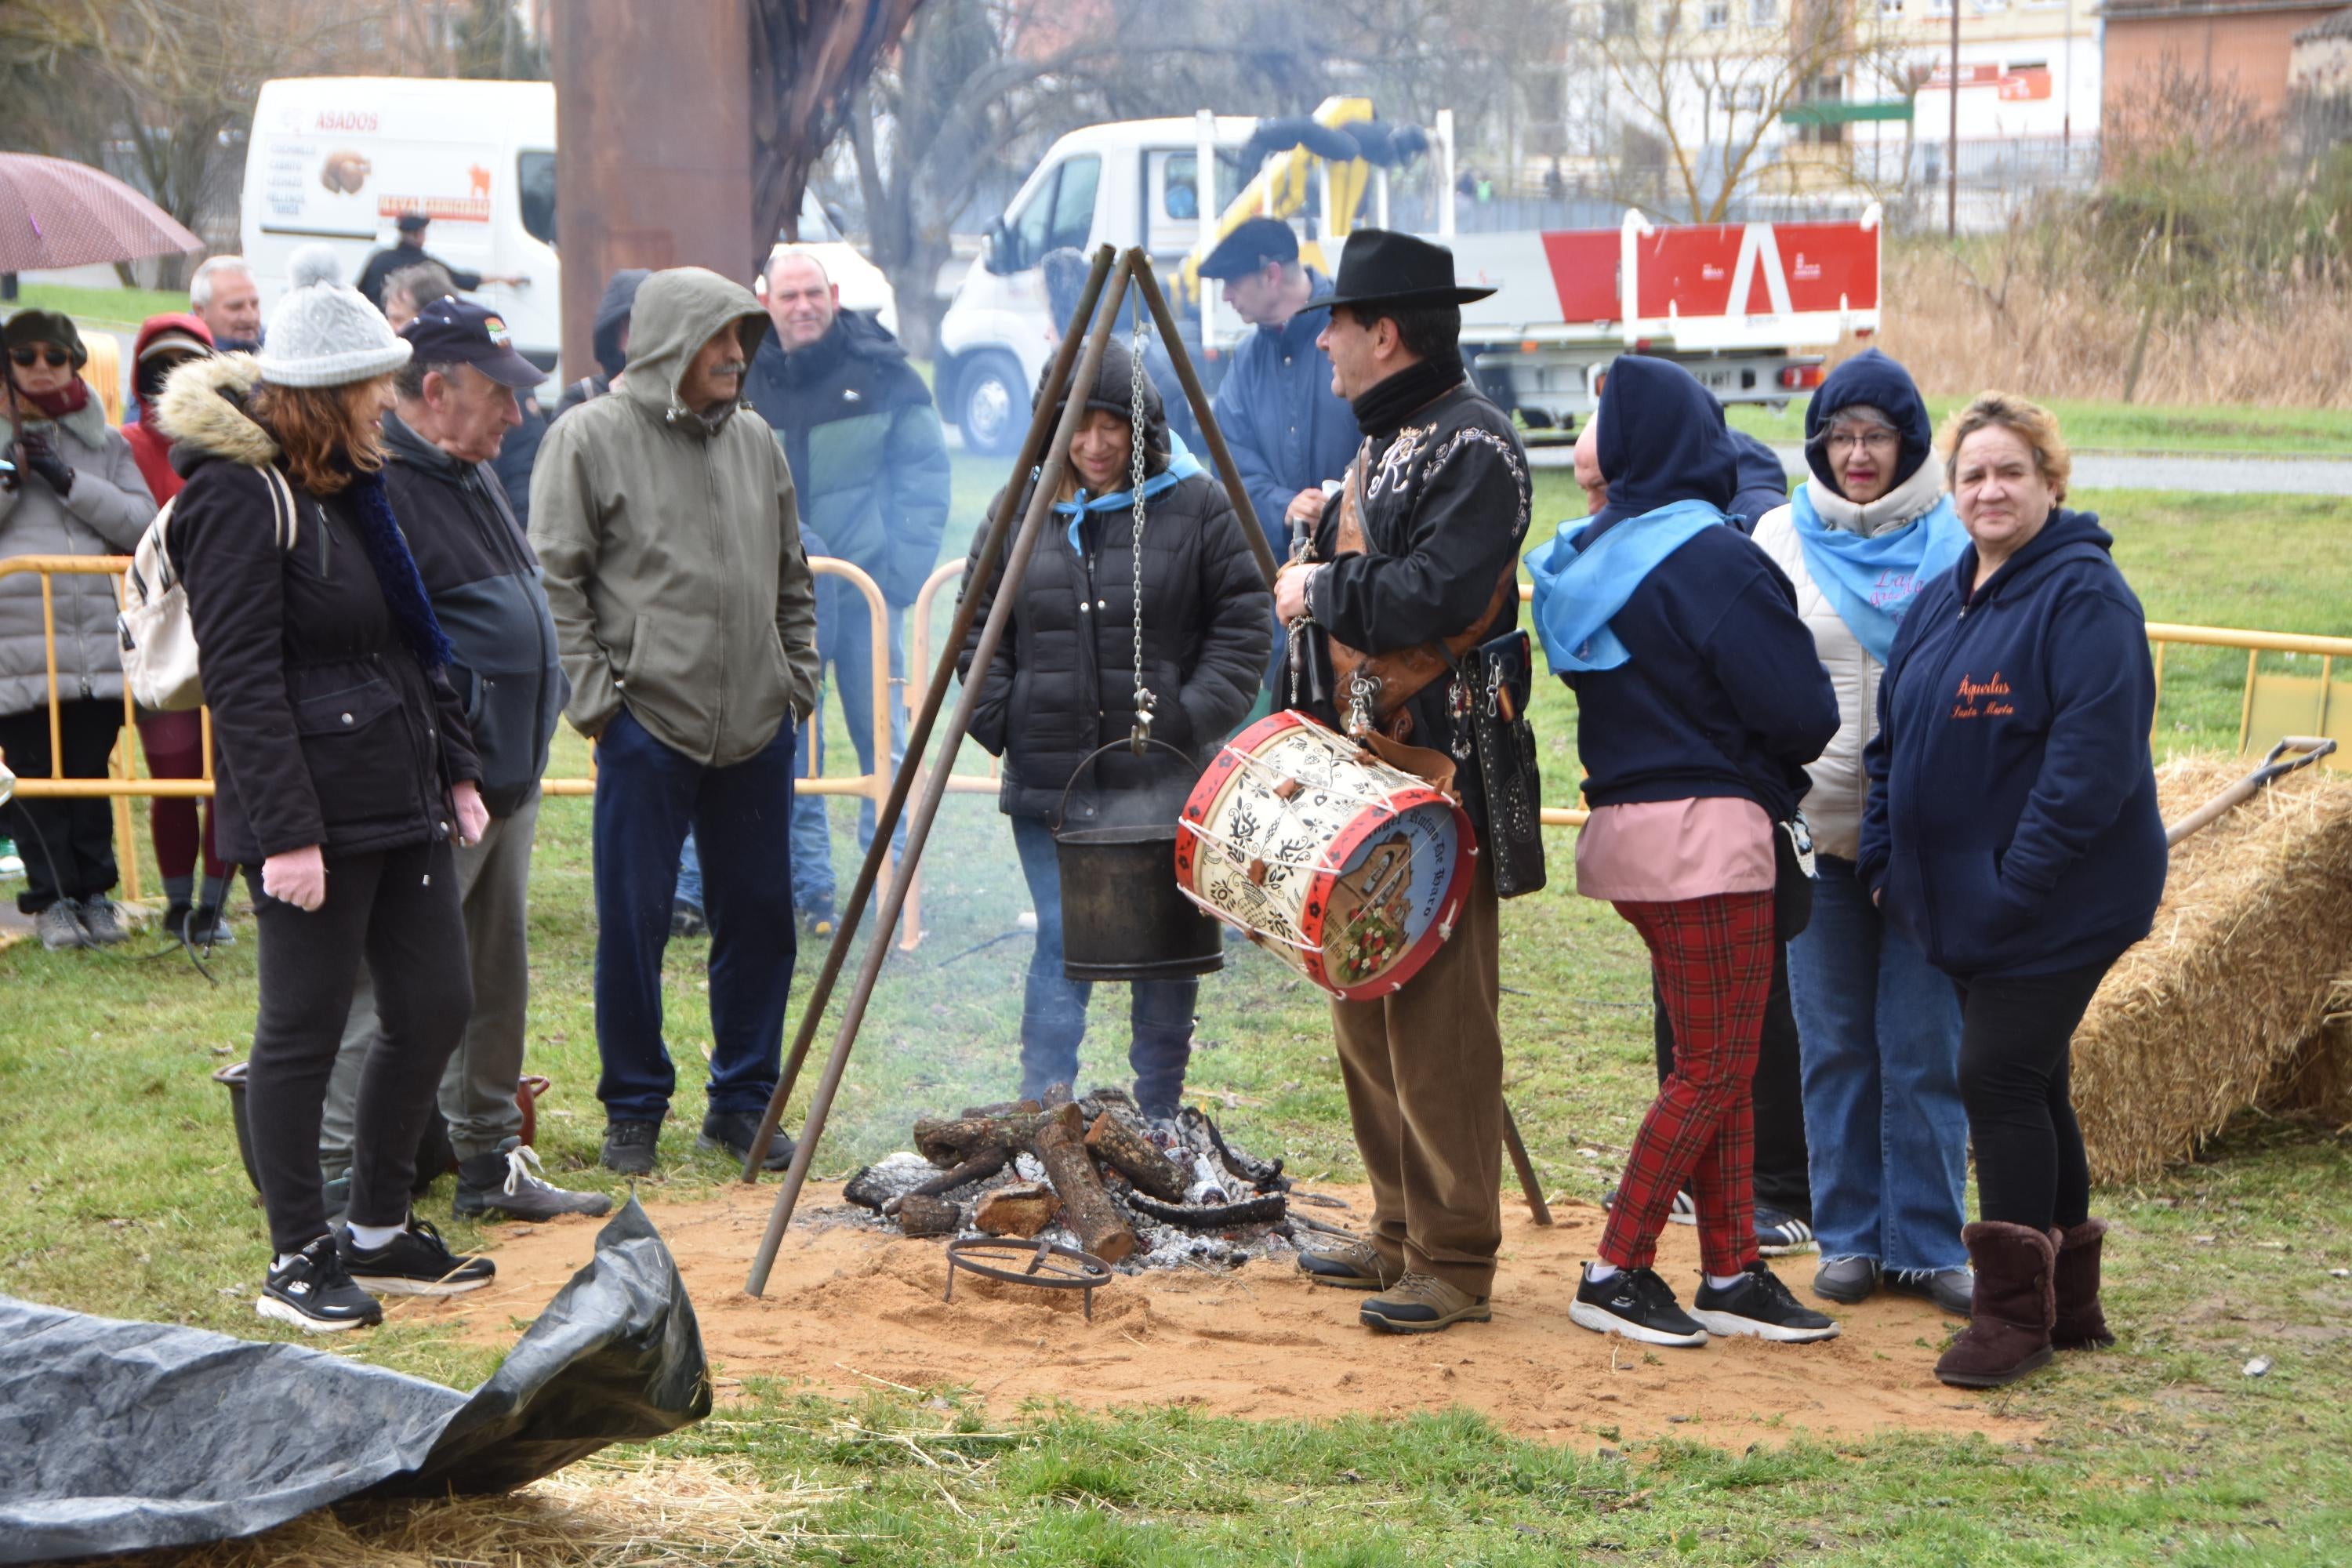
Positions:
(2109, 427)
(128, 1201)
(123, 308)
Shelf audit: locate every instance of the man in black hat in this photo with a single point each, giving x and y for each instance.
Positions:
(1288, 431)
(456, 405)
(1440, 490)
(408, 251)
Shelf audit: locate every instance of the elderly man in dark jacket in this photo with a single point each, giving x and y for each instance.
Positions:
(871, 460)
(456, 404)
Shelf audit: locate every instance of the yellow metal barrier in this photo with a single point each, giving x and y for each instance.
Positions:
(2269, 704)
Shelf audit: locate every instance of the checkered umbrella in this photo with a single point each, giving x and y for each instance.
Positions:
(54, 213)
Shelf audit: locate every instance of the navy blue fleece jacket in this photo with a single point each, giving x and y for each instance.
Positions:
(1724, 694)
(2012, 825)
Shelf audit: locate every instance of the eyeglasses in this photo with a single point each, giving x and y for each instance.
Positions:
(1877, 441)
(57, 359)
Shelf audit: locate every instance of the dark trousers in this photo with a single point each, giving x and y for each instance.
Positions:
(398, 910)
(2017, 1048)
(174, 744)
(67, 846)
(1784, 1177)
(647, 795)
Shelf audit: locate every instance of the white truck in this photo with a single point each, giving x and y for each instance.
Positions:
(1747, 308)
(340, 158)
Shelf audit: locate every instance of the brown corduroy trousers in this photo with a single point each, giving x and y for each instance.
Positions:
(1424, 1070)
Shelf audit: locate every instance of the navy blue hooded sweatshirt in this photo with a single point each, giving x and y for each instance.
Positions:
(1763, 483)
(1724, 694)
(2013, 822)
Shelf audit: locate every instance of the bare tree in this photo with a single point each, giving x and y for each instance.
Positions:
(809, 58)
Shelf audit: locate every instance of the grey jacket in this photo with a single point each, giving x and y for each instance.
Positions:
(670, 543)
(104, 514)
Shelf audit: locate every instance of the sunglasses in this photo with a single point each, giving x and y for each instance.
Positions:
(57, 359)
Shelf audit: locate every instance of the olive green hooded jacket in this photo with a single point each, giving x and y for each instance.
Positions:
(670, 545)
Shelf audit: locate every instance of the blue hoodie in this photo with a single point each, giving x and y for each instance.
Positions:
(1869, 377)
(1723, 693)
(1763, 481)
(2013, 822)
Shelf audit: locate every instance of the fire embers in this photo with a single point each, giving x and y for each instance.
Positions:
(1133, 1192)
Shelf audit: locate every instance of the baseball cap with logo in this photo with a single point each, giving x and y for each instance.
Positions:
(451, 330)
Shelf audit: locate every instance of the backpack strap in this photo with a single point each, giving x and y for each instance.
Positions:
(286, 521)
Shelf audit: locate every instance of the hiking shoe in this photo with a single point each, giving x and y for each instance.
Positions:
(59, 928)
(685, 920)
(735, 1131)
(315, 1294)
(1846, 1279)
(1637, 1304)
(819, 920)
(629, 1147)
(1685, 1212)
(1953, 1290)
(1422, 1304)
(1780, 1235)
(506, 1184)
(1760, 1307)
(416, 1262)
(100, 923)
(1355, 1266)
(204, 926)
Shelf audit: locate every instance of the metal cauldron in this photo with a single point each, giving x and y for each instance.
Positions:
(1123, 915)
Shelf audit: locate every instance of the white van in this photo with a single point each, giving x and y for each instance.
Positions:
(340, 158)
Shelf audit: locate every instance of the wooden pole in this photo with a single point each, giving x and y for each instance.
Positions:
(1000, 529)
(935, 783)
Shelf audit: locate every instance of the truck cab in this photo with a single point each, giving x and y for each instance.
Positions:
(1133, 183)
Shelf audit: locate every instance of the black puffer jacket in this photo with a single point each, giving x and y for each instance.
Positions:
(1063, 682)
(326, 730)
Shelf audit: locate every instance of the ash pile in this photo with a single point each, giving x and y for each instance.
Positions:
(1092, 1172)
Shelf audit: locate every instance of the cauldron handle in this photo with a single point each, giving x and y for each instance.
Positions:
(1062, 813)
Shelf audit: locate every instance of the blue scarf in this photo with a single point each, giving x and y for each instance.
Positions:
(1871, 582)
(396, 572)
(1182, 464)
(1578, 592)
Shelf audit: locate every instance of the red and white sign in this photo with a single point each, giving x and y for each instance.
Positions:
(1719, 270)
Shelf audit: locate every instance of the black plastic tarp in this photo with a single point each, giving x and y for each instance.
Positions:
(116, 1437)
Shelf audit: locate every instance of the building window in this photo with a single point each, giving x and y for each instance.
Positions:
(1763, 13)
(1890, 7)
(1717, 14)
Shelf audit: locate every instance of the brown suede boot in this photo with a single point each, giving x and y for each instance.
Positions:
(2009, 1326)
(2079, 1325)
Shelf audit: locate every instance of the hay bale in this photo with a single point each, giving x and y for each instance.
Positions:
(2316, 1081)
(2225, 1005)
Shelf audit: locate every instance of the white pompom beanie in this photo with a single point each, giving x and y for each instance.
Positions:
(324, 334)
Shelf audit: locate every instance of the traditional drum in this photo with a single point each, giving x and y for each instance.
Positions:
(1351, 871)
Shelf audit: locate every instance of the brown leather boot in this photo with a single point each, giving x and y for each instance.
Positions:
(2079, 1325)
(2009, 1325)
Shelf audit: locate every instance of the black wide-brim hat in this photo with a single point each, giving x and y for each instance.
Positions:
(1381, 267)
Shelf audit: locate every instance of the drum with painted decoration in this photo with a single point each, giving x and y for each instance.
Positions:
(1348, 870)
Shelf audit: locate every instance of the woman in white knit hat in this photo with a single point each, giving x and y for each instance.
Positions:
(344, 769)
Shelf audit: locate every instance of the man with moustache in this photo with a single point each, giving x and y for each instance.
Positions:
(1440, 484)
(669, 531)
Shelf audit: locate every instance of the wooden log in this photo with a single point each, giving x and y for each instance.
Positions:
(1133, 1156)
(950, 1141)
(923, 1215)
(985, 1164)
(1056, 1095)
(1061, 1147)
(1022, 1209)
(1003, 1108)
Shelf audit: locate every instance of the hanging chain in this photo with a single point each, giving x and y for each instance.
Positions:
(1144, 699)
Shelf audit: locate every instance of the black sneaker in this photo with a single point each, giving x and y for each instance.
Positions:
(506, 1184)
(416, 1262)
(685, 921)
(1759, 1306)
(735, 1131)
(315, 1294)
(204, 926)
(629, 1147)
(1637, 1304)
(1780, 1235)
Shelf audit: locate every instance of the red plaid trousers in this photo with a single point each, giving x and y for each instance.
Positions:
(1713, 959)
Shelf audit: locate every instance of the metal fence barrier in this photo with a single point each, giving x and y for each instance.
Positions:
(2268, 703)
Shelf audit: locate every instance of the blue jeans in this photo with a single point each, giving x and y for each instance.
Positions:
(1054, 1010)
(648, 796)
(1880, 1033)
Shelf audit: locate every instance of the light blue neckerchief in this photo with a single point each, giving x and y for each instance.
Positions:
(1577, 593)
(1871, 582)
(1182, 464)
